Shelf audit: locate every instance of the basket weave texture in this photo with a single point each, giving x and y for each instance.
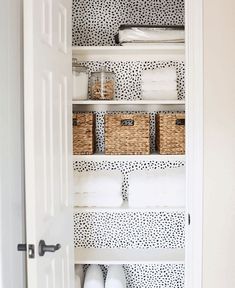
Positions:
(83, 133)
(127, 134)
(170, 133)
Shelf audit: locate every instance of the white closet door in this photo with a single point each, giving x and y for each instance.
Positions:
(48, 149)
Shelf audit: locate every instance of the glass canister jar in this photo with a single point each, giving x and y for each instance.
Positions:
(80, 81)
(102, 85)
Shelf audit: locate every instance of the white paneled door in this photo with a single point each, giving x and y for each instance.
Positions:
(48, 149)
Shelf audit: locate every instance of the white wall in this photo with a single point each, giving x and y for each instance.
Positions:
(11, 145)
(219, 145)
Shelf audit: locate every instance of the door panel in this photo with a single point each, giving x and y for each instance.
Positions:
(48, 135)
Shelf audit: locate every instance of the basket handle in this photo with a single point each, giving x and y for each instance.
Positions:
(180, 122)
(127, 122)
(76, 122)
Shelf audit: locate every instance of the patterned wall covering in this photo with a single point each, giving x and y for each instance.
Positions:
(95, 22)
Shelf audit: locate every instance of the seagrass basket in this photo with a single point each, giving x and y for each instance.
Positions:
(127, 134)
(83, 133)
(170, 133)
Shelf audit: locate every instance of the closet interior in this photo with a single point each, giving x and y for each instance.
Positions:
(129, 196)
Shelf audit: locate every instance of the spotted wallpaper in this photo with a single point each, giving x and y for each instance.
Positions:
(95, 22)
(128, 75)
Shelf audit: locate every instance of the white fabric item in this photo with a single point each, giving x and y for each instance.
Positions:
(77, 282)
(104, 199)
(159, 74)
(98, 182)
(164, 187)
(94, 277)
(79, 274)
(160, 95)
(159, 85)
(143, 34)
(115, 277)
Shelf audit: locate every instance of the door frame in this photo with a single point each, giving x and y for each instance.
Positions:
(194, 142)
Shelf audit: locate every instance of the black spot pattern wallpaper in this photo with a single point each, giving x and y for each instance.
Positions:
(95, 22)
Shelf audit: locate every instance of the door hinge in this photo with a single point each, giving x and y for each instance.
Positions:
(189, 219)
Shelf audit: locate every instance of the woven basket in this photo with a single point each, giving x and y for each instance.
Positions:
(83, 133)
(170, 133)
(127, 134)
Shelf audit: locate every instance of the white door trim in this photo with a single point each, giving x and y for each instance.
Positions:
(194, 141)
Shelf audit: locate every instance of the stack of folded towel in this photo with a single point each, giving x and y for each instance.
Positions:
(115, 278)
(98, 189)
(159, 84)
(164, 187)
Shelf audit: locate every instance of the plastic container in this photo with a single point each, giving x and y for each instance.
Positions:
(80, 81)
(102, 85)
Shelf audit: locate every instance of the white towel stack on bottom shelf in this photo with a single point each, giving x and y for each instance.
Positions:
(159, 84)
(98, 189)
(161, 188)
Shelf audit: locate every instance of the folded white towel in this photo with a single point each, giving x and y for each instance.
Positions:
(94, 277)
(115, 277)
(159, 85)
(157, 188)
(159, 74)
(104, 199)
(79, 276)
(98, 182)
(160, 95)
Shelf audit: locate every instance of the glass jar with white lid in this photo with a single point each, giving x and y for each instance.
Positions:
(80, 81)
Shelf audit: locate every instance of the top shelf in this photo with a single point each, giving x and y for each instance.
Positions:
(146, 52)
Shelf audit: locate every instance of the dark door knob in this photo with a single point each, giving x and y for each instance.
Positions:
(43, 248)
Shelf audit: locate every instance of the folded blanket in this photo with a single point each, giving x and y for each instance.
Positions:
(157, 188)
(159, 74)
(115, 277)
(98, 182)
(105, 199)
(160, 95)
(94, 277)
(159, 85)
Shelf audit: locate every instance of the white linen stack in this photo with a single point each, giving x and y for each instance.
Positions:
(98, 189)
(159, 84)
(164, 187)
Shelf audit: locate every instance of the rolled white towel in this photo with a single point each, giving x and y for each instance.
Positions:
(159, 85)
(160, 95)
(115, 277)
(159, 74)
(157, 188)
(104, 199)
(79, 276)
(77, 283)
(98, 182)
(94, 277)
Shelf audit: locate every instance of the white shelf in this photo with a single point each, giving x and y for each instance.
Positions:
(126, 102)
(132, 52)
(125, 209)
(151, 157)
(129, 256)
